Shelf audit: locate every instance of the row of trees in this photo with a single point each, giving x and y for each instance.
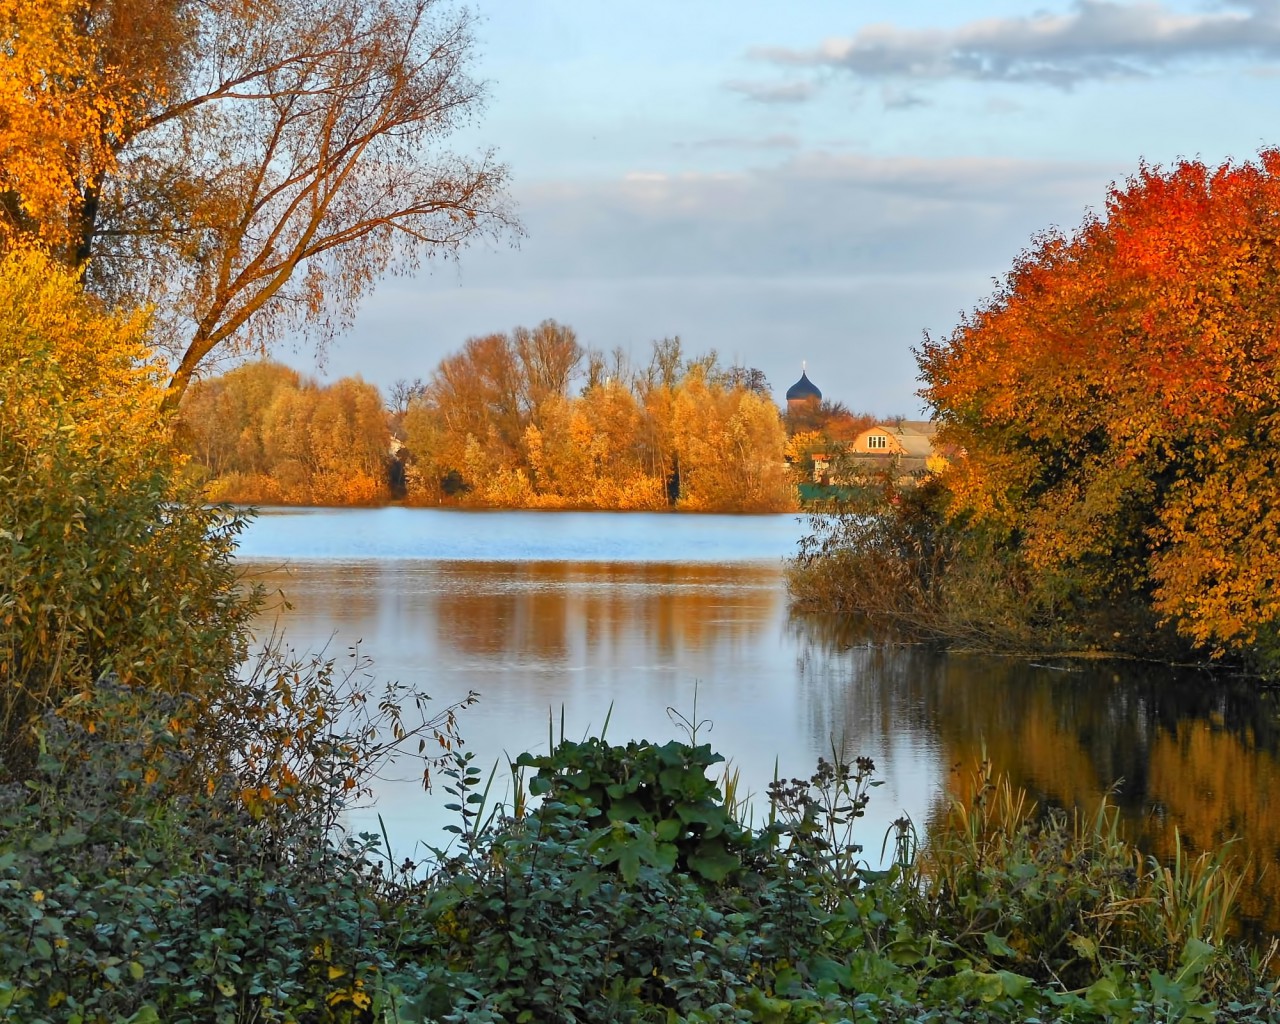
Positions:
(499, 420)
(525, 419)
(262, 434)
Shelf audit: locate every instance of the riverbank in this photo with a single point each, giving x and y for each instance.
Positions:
(630, 891)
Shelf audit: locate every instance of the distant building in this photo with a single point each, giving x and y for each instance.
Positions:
(901, 437)
(803, 394)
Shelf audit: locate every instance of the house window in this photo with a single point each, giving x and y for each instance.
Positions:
(877, 441)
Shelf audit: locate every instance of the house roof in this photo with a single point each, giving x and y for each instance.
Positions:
(803, 389)
(915, 436)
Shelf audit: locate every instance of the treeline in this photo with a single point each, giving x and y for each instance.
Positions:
(528, 419)
(263, 434)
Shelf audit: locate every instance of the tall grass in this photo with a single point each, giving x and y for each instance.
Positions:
(1063, 897)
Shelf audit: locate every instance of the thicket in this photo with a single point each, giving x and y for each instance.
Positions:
(630, 892)
(1114, 403)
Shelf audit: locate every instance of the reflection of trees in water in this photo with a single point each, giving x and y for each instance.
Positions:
(1190, 751)
(867, 693)
(548, 609)
(539, 611)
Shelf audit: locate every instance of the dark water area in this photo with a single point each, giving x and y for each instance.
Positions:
(596, 615)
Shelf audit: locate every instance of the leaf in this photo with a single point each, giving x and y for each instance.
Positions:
(713, 862)
(997, 946)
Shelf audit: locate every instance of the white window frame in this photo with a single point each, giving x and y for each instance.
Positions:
(878, 441)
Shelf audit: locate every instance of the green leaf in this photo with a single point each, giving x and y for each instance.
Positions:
(713, 862)
(997, 946)
(668, 829)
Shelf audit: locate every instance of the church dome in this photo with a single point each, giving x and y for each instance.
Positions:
(803, 390)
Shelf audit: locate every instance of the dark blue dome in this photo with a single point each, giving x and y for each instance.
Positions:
(803, 390)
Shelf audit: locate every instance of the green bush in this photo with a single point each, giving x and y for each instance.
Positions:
(123, 901)
(129, 893)
(109, 563)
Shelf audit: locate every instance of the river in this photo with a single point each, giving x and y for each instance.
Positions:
(592, 617)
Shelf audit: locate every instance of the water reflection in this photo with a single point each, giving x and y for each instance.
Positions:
(618, 640)
(1180, 752)
(628, 640)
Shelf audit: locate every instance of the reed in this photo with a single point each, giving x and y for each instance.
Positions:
(1063, 897)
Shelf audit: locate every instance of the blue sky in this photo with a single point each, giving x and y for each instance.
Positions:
(814, 181)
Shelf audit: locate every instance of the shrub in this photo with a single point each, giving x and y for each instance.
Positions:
(108, 561)
(128, 893)
(1064, 898)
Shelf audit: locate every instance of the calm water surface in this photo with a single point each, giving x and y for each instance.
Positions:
(625, 615)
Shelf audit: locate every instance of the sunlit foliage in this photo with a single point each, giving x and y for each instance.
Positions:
(1117, 401)
(251, 169)
(108, 562)
(498, 424)
(263, 434)
(58, 114)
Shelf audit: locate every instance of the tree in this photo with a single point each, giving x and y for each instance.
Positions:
(262, 433)
(404, 392)
(729, 446)
(57, 114)
(549, 358)
(256, 167)
(1117, 402)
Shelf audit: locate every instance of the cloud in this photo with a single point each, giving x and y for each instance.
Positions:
(780, 140)
(842, 259)
(813, 213)
(774, 92)
(1094, 39)
(901, 99)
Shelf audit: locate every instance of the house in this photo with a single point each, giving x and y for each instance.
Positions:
(912, 438)
(906, 446)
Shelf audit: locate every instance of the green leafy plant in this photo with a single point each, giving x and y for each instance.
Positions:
(652, 806)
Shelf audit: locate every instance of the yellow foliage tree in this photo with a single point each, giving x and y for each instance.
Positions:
(263, 434)
(58, 116)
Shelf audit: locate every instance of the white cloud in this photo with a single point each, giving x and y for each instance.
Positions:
(774, 92)
(1094, 39)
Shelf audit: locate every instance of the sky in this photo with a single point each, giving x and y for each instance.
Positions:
(812, 183)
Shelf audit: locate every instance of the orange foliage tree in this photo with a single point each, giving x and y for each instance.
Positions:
(497, 424)
(58, 114)
(263, 434)
(1118, 403)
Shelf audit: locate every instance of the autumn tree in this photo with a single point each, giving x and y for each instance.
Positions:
(252, 169)
(729, 447)
(478, 396)
(403, 392)
(549, 357)
(221, 418)
(263, 434)
(1117, 402)
(59, 109)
